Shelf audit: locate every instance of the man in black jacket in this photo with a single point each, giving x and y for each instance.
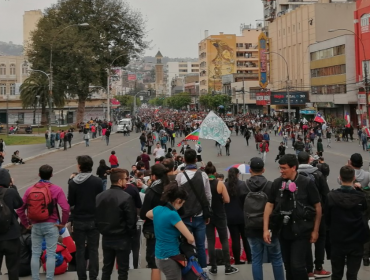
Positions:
(9, 238)
(348, 226)
(322, 186)
(116, 221)
(82, 191)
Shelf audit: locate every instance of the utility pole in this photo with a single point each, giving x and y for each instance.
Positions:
(108, 92)
(288, 96)
(243, 97)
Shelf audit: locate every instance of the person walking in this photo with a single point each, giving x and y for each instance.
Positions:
(142, 141)
(328, 137)
(83, 188)
(234, 214)
(264, 149)
(107, 136)
(320, 147)
(10, 230)
(299, 146)
(69, 137)
(364, 140)
(113, 160)
(298, 214)
(57, 139)
(146, 159)
(254, 199)
(348, 228)
(150, 143)
(199, 150)
(102, 173)
(247, 135)
(227, 146)
(281, 151)
(116, 221)
(218, 221)
(258, 138)
(86, 137)
(44, 222)
(168, 226)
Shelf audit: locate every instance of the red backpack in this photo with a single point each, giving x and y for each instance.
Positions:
(40, 204)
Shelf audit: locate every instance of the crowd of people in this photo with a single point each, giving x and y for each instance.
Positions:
(294, 219)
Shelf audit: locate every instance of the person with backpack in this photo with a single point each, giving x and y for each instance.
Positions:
(168, 227)
(83, 188)
(9, 226)
(198, 149)
(218, 221)
(254, 199)
(323, 167)
(116, 217)
(349, 229)
(184, 147)
(321, 184)
(299, 146)
(41, 201)
(196, 210)
(293, 206)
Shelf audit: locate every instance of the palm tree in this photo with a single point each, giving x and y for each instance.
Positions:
(36, 88)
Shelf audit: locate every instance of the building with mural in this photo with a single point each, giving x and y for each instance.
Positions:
(225, 54)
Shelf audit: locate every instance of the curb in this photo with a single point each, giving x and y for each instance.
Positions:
(50, 151)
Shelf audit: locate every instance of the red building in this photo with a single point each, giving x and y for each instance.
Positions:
(362, 43)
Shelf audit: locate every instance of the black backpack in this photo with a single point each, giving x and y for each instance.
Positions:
(324, 168)
(5, 213)
(254, 207)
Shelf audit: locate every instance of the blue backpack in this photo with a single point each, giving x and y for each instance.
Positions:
(193, 271)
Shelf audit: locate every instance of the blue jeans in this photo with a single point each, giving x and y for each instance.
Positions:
(50, 233)
(104, 184)
(274, 254)
(107, 140)
(197, 226)
(87, 142)
(142, 146)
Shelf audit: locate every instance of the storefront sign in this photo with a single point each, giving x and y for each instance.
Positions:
(307, 112)
(296, 98)
(263, 98)
(361, 98)
(131, 77)
(365, 29)
(262, 59)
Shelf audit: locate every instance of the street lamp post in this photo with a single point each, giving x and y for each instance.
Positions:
(365, 70)
(287, 82)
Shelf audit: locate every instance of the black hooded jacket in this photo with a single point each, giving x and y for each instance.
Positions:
(345, 217)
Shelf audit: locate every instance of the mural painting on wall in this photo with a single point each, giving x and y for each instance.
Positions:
(223, 62)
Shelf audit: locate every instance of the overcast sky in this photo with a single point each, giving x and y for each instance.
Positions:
(174, 26)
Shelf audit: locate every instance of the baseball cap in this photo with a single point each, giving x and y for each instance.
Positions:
(256, 164)
(356, 160)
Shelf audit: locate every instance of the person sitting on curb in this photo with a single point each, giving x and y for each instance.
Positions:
(16, 158)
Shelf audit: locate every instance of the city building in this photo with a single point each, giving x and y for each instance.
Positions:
(333, 88)
(30, 21)
(290, 36)
(193, 89)
(226, 54)
(179, 69)
(362, 41)
(160, 85)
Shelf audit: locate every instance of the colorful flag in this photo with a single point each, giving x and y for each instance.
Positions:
(348, 119)
(319, 118)
(280, 130)
(194, 136)
(213, 127)
(67, 240)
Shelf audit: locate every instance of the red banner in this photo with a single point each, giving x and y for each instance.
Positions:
(263, 98)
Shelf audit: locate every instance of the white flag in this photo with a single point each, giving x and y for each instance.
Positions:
(213, 127)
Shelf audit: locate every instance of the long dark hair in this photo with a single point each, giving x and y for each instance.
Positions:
(102, 163)
(160, 172)
(172, 192)
(210, 169)
(232, 181)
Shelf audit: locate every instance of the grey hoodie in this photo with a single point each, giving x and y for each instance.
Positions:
(362, 176)
(307, 168)
(81, 177)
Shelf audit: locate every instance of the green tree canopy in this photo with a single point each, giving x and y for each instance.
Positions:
(179, 100)
(213, 101)
(81, 56)
(128, 101)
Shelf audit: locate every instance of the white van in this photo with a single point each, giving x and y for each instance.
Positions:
(122, 122)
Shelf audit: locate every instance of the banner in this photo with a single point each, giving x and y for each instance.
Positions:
(131, 77)
(263, 98)
(213, 127)
(296, 98)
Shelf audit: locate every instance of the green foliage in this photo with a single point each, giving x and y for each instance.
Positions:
(157, 101)
(128, 101)
(38, 85)
(179, 100)
(213, 101)
(81, 55)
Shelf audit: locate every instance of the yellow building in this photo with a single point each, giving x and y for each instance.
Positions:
(226, 54)
(30, 20)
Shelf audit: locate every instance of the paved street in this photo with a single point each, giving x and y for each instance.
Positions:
(127, 149)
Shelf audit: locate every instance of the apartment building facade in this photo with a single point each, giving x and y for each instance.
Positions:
(176, 70)
(226, 54)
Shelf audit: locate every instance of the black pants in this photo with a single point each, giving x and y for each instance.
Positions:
(150, 253)
(69, 142)
(353, 252)
(149, 150)
(86, 233)
(319, 249)
(11, 250)
(227, 150)
(237, 231)
(135, 247)
(247, 139)
(294, 256)
(112, 250)
(220, 225)
(328, 245)
(172, 142)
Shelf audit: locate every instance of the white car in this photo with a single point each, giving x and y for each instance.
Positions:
(122, 122)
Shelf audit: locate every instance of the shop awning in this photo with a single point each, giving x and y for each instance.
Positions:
(307, 111)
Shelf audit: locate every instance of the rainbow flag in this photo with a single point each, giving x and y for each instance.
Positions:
(280, 130)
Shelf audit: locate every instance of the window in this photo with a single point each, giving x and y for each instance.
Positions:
(183, 65)
(328, 71)
(183, 70)
(331, 89)
(365, 20)
(12, 89)
(2, 89)
(2, 69)
(327, 53)
(24, 69)
(12, 69)
(21, 118)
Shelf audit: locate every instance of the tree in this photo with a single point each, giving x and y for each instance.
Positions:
(179, 100)
(128, 101)
(157, 101)
(81, 56)
(213, 101)
(38, 85)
